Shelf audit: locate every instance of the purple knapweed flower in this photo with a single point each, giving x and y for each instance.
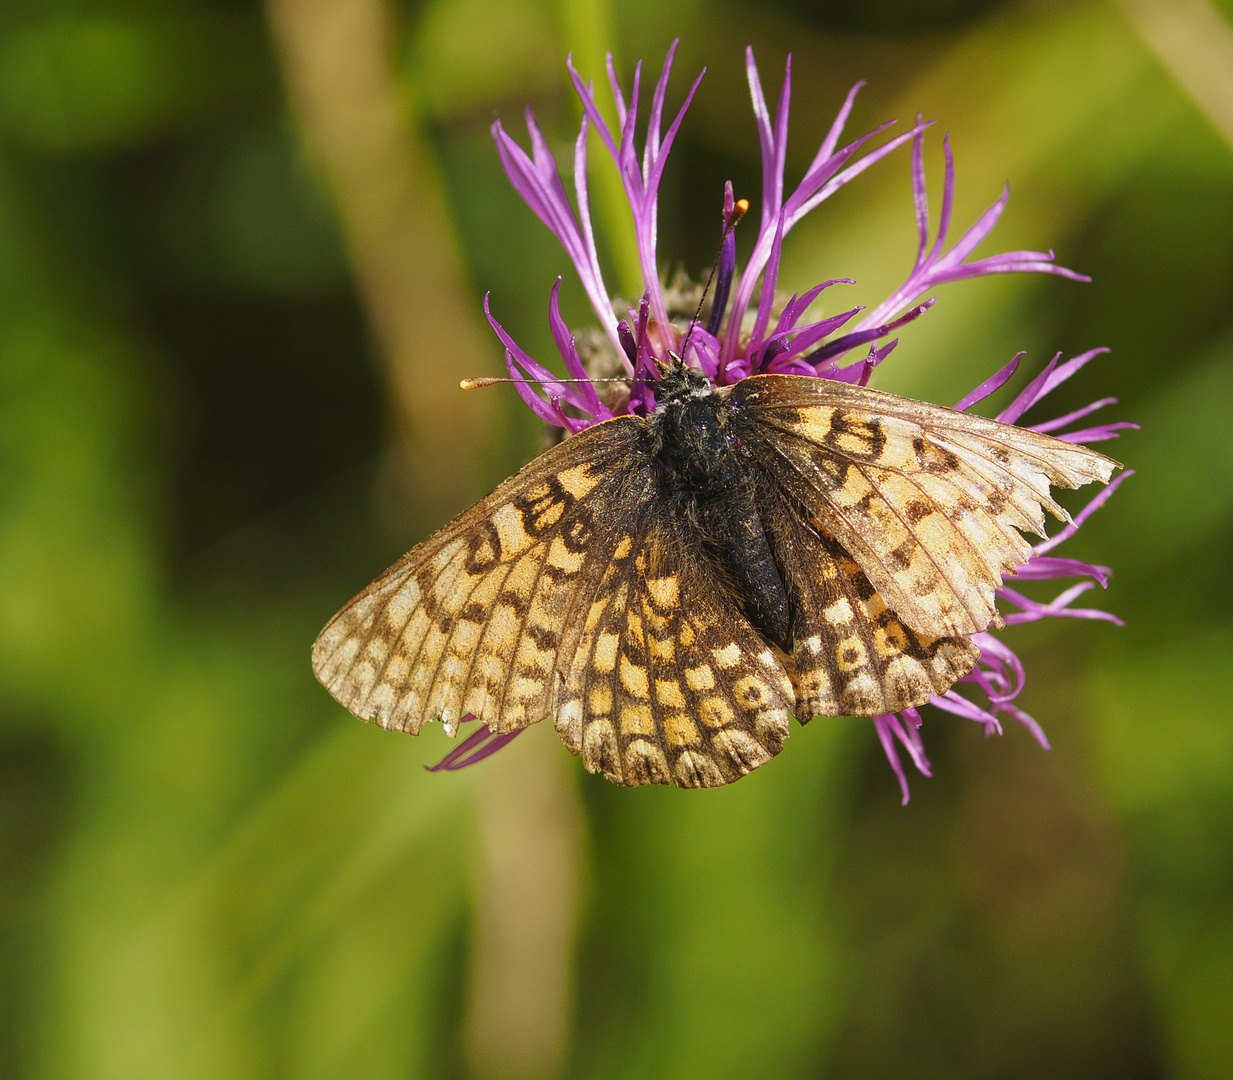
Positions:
(762, 332)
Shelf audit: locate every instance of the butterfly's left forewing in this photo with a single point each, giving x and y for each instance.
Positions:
(478, 618)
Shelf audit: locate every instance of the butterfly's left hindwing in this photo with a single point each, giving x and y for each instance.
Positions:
(670, 683)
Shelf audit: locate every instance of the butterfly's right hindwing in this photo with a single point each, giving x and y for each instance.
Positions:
(573, 591)
(854, 656)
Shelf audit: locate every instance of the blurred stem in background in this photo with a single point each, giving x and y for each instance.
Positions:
(337, 58)
(1195, 44)
(587, 30)
(520, 997)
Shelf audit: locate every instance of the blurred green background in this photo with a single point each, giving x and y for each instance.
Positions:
(242, 250)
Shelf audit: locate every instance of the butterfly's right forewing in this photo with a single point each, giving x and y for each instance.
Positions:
(929, 502)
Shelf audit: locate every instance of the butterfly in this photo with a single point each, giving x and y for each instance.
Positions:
(671, 588)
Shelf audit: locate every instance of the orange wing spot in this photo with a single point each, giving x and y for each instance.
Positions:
(668, 692)
(634, 678)
(680, 730)
(637, 720)
(715, 712)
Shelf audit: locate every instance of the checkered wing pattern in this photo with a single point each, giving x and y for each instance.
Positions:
(569, 592)
(928, 502)
(580, 590)
(480, 617)
(853, 655)
(670, 683)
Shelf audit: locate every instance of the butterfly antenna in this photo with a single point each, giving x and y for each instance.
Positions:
(491, 380)
(739, 209)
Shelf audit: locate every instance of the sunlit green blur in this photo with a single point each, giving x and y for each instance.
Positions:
(208, 869)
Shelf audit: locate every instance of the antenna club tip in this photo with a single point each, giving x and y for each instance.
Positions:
(739, 209)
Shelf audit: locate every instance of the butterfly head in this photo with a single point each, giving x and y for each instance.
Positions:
(679, 382)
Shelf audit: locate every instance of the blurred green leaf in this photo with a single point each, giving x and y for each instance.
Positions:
(90, 82)
(1165, 725)
(1184, 459)
(466, 54)
(272, 227)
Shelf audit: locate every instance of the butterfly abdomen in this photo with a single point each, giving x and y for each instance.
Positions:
(706, 476)
(739, 540)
